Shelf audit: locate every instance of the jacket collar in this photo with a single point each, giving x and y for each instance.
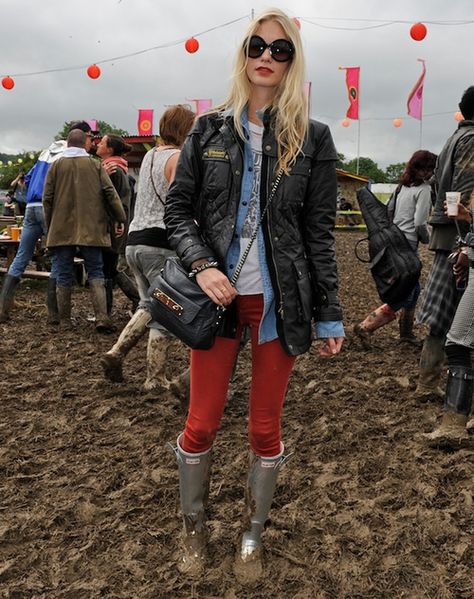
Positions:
(466, 123)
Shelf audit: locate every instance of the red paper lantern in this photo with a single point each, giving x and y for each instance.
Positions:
(418, 32)
(296, 22)
(458, 116)
(8, 83)
(93, 71)
(397, 123)
(346, 123)
(191, 45)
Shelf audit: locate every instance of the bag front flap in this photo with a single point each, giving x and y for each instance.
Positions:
(177, 292)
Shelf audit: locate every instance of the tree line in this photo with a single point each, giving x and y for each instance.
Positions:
(24, 161)
(369, 168)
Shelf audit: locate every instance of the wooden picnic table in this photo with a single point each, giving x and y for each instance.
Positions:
(12, 247)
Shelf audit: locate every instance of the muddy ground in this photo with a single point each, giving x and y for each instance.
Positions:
(88, 489)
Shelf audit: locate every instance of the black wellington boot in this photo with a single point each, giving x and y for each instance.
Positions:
(6, 296)
(52, 302)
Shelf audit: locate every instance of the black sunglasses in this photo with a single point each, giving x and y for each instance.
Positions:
(281, 50)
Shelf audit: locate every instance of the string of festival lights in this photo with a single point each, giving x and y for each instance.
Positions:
(417, 31)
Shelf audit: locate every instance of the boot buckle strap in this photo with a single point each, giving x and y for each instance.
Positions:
(464, 376)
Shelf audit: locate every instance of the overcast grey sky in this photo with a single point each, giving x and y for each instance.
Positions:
(38, 36)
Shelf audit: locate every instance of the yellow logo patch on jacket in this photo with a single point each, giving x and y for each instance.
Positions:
(216, 153)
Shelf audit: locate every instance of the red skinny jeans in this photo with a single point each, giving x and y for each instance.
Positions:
(210, 375)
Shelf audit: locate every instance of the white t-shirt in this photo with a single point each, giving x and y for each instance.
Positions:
(250, 279)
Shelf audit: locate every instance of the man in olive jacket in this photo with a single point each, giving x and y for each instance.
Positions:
(78, 196)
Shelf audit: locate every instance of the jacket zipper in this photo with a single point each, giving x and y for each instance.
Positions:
(231, 129)
(280, 298)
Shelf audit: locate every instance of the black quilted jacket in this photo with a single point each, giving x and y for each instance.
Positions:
(201, 211)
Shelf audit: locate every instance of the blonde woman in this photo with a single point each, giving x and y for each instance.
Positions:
(287, 289)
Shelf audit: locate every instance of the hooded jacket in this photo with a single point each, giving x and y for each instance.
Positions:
(36, 176)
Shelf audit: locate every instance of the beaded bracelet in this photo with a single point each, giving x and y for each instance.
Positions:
(202, 267)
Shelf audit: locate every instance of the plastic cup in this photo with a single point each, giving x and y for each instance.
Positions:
(452, 200)
(15, 233)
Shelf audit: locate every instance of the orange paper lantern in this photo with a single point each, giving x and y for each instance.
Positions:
(397, 123)
(93, 71)
(418, 32)
(458, 116)
(8, 83)
(191, 45)
(346, 123)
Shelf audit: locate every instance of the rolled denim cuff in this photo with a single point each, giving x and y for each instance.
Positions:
(329, 328)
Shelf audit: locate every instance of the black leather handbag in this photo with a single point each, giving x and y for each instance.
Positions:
(182, 307)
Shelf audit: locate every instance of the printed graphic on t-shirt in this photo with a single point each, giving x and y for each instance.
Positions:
(250, 280)
(251, 219)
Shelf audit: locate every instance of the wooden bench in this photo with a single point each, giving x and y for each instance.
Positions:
(79, 272)
(30, 274)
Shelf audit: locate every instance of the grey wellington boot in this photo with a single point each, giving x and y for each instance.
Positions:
(111, 362)
(6, 296)
(52, 302)
(452, 432)
(194, 469)
(261, 483)
(63, 295)
(103, 324)
(431, 366)
(156, 355)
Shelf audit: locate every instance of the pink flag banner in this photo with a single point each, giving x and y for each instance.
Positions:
(352, 82)
(145, 121)
(307, 93)
(202, 105)
(415, 98)
(93, 125)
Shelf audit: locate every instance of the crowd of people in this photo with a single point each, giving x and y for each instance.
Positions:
(253, 167)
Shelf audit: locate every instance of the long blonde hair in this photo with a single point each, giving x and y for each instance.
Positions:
(289, 107)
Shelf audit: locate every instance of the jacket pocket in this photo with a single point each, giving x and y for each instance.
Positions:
(296, 185)
(217, 170)
(303, 285)
(301, 167)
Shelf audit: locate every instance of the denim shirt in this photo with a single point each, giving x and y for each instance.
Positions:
(268, 329)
